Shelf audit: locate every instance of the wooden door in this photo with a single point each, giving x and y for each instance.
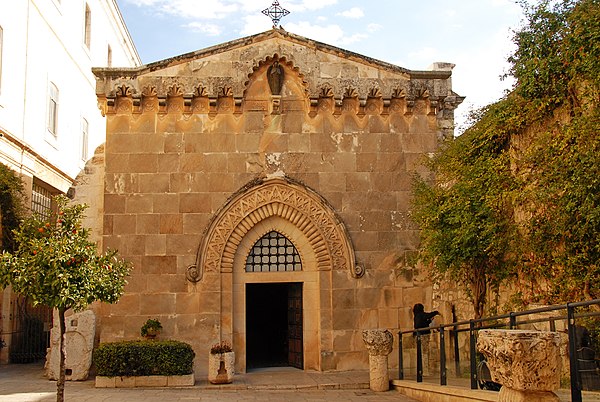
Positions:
(295, 341)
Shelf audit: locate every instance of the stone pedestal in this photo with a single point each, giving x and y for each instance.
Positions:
(526, 363)
(80, 329)
(221, 368)
(379, 343)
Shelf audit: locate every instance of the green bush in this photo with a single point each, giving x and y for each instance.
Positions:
(143, 358)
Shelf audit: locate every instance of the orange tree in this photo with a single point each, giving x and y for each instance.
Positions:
(55, 264)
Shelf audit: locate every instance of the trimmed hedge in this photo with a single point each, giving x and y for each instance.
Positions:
(143, 358)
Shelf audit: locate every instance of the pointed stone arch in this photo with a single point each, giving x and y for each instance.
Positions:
(297, 204)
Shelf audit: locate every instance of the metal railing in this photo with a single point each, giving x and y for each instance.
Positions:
(512, 320)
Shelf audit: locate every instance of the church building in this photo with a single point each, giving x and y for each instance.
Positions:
(261, 188)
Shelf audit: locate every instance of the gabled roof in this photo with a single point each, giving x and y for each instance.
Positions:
(271, 34)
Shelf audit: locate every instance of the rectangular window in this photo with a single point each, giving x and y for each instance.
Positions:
(87, 34)
(109, 57)
(53, 109)
(41, 201)
(84, 139)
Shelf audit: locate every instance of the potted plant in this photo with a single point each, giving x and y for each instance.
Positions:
(151, 329)
(221, 363)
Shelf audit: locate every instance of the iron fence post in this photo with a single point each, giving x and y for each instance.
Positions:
(574, 371)
(473, 357)
(512, 321)
(400, 358)
(419, 359)
(443, 379)
(456, 353)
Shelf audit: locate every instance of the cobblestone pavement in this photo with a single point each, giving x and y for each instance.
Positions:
(27, 383)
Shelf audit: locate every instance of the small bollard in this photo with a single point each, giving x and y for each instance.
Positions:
(379, 343)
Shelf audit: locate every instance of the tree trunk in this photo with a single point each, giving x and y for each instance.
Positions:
(60, 384)
(478, 290)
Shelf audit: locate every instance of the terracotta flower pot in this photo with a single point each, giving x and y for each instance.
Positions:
(221, 368)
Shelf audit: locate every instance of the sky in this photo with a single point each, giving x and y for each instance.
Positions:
(476, 35)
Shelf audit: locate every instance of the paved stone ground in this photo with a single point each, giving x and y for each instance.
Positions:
(27, 383)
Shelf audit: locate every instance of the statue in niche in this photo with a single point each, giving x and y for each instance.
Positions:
(275, 78)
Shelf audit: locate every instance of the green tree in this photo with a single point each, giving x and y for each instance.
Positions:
(518, 194)
(11, 206)
(55, 264)
(465, 213)
(557, 66)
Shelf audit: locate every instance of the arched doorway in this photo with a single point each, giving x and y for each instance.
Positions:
(274, 319)
(274, 325)
(304, 218)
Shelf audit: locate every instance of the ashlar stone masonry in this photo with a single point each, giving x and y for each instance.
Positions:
(261, 189)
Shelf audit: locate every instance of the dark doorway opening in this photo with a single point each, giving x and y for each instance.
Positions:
(274, 325)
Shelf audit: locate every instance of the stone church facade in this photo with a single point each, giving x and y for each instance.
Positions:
(261, 189)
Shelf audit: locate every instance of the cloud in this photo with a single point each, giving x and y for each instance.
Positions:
(374, 27)
(209, 29)
(478, 78)
(423, 57)
(309, 5)
(331, 34)
(190, 9)
(144, 3)
(353, 13)
(254, 24)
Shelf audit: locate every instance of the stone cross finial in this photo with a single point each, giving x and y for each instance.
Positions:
(275, 12)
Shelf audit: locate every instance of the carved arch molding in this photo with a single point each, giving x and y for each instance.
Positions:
(260, 200)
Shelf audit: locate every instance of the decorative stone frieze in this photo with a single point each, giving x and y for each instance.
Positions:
(369, 78)
(379, 343)
(526, 363)
(276, 197)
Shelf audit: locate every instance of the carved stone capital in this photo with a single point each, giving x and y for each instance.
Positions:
(524, 361)
(379, 342)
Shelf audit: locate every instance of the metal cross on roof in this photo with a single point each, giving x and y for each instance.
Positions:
(275, 12)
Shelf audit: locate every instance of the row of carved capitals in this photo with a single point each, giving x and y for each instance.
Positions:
(163, 87)
(170, 96)
(276, 105)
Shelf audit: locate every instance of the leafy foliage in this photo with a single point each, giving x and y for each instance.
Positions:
(557, 51)
(221, 347)
(465, 216)
(564, 205)
(55, 264)
(150, 325)
(11, 206)
(518, 194)
(143, 358)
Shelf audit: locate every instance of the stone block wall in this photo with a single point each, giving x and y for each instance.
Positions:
(186, 139)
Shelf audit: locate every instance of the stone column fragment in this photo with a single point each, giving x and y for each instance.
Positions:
(79, 345)
(379, 343)
(526, 363)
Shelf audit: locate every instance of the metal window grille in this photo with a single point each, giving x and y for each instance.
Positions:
(41, 201)
(273, 253)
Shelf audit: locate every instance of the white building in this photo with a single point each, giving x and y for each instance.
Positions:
(49, 119)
